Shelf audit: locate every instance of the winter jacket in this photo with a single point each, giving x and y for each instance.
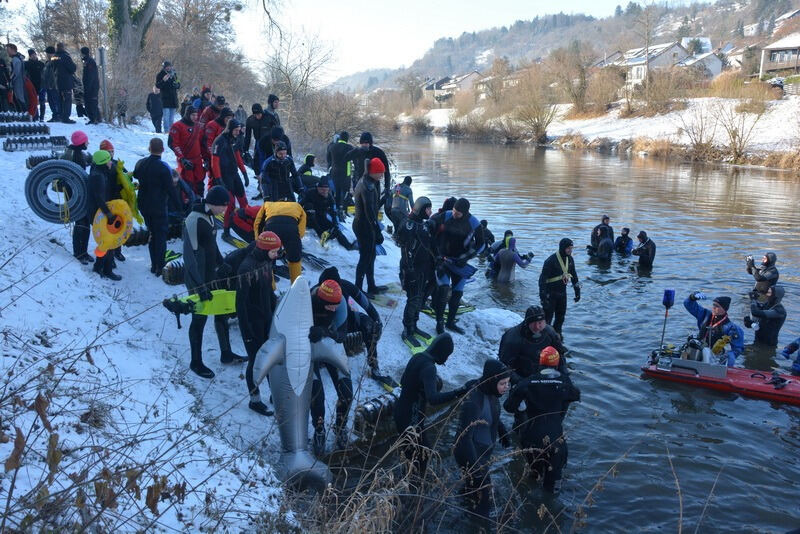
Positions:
(264, 145)
(279, 179)
(169, 89)
(34, 69)
(65, 68)
(646, 252)
(155, 186)
(90, 78)
(520, 348)
(770, 317)
(418, 385)
(226, 158)
(49, 74)
(291, 211)
(254, 129)
(255, 297)
(154, 105)
(200, 253)
(402, 198)
(359, 155)
(273, 119)
(710, 331)
(18, 76)
(184, 139)
(100, 178)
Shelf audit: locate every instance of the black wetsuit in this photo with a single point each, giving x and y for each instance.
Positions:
(606, 231)
(646, 252)
(368, 233)
(547, 395)
(418, 389)
(322, 216)
(553, 286)
(416, 265)
(520, 348)
(359, 155)
(201, 258)
(770, 317)
(766, 275)
(340, 170)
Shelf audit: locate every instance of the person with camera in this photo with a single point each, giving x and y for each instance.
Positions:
(766, 274)
(168, 83)
(717, 331)
(766, 318)
(645, 250)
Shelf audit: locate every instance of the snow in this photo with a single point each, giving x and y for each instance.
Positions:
(116, 353)
(440, 118)
(483, 58)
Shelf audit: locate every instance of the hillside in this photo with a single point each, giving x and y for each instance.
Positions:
(524, 41)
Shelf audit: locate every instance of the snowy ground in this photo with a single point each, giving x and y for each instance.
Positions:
(114, 368)
(777, 130)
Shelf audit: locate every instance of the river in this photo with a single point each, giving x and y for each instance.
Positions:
(735, 460)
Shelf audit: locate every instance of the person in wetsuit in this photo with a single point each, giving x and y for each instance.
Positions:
(624, 244)
(506, 261)
(479, 429)
(605, 230)
(340, 168)
(416, 266)
(715, 325)
(787, 352)
(546, 395)
(402, 202)
(645, 250)
(306, 172)
(365, 225)
(330, 320)
(366, 152)
(288, 220)
(766, 318)
(418, 389)
(602, 242)
(766, 275)
(459, 238)
(557, 272)
(201, 258)
(522, 344)
(322, 214)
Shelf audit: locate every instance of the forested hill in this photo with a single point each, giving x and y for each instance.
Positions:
(723, 21)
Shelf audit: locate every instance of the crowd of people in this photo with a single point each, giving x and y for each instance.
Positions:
(207, 190)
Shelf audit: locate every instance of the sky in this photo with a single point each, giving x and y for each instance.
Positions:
(392, 34)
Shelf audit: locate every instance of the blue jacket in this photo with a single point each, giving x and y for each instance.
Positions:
(623, 246)
(703, 316)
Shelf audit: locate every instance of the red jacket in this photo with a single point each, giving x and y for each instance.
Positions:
(244, 218)
(209, 114)
(184, 140)
(212, 130)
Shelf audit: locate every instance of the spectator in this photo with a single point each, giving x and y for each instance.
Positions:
(187, 100)
(91, 86)
(49, 83)
(33, 70)
(240, 114)
(65, 82)
(155, 107)
(17, 67)
(167, 82)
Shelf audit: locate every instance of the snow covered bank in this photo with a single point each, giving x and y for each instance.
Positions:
(132, 439)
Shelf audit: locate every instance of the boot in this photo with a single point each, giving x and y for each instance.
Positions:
(118, 254)
(439, 297)
(231, 357)
(259, 407)
(85, 259)
(111, 275)
(196, 365)
(318, 442)
(223, 335)
(410, 338)
(455, 300)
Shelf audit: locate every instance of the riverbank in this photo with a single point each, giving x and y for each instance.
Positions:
(704, 129)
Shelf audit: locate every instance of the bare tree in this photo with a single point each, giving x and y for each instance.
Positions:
(295, 66)
(646, 23)
(501, 68)
(411, 86)
(738, 128)
(570, 67)
(75, 22)
(700, 126)
(537, 102)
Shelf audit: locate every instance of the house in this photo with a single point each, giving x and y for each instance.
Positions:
(781, 55)
(660, 56)
(462, 83)
(608, 59)
(709, 64)
(433, 88)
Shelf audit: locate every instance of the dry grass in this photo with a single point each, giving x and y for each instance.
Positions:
(572, 140)
(657, 148)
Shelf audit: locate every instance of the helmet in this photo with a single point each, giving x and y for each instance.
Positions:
(79, 138)
(421, 204)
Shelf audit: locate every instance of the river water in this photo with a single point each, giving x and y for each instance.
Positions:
(704, 220)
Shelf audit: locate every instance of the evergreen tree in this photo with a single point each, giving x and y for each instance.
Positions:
(684, 30)
(618, 11)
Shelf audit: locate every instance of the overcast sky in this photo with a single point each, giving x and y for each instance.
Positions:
(384, 33)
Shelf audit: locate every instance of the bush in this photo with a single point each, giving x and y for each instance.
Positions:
(604, 88)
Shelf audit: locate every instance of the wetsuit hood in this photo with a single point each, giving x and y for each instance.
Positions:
(564, 244)
(512, 243)
(276, 133)
(493, 372)
(777, 296)
(310, 159)
(441, 348)
(419, 206)
(331, 273)
(771, 259)
(448, 204)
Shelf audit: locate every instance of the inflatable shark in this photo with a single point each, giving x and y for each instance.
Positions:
(287, 358)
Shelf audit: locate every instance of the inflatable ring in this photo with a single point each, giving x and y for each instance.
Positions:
(111, 236)
(57, 192)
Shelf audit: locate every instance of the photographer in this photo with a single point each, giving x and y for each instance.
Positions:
(767, 318)
(766, 275)
(168, 83)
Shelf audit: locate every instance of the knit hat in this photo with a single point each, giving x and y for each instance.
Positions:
(324, 182)
(549, 357)
(271, 99)
(462, 205)
(605, 218)
(344, 136)
(217, 196)
(219, 100)
(376, 166)
(85, 51)
(724, 302)
(105, 144)
(232, 125)
(101, 157)
(533, 314)
(79, 138)
(225, 112)
(268, 241)
(31, 51)
(280, 145)
(366, 137)
(257, 108)
(166, 64)
(330, 292)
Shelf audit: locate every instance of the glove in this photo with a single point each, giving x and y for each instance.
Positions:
(748, 322)
(697, 295)
(529, 255)
(246, 179)
(379, 238)
(750, 261)
(505, 441)
(786, 354)
(188, 165)
(204, 294)
(316, 333)
(577, 294)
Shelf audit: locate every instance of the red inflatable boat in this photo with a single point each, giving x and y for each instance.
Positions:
(746, 382)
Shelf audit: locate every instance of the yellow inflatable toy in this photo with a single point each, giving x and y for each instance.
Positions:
(111, 236)
(128, 192)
